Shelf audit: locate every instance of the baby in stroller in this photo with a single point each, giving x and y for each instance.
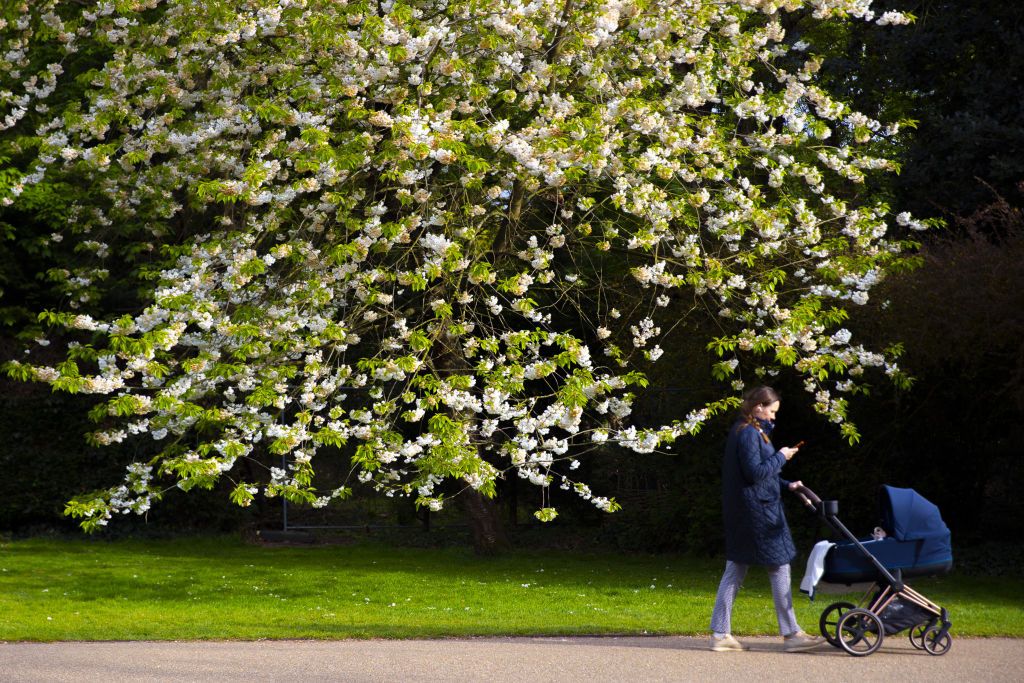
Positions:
(915, 542)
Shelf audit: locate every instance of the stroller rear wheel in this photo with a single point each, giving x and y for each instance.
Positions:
(860, 632)
(936, 642)
(830, 621)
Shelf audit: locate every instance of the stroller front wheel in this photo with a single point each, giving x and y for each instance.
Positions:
(917, 634)
(829, 622)
(936, 642)
(860, 632)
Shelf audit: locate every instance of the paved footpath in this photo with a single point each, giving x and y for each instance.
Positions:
(566, 660)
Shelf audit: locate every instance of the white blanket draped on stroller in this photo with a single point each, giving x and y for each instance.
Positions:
(815, 567)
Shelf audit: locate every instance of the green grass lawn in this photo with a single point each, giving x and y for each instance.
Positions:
(222, 588)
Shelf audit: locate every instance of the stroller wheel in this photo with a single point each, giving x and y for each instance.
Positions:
(936, 642)
(830, 621)
(917, 634)
(860, 632)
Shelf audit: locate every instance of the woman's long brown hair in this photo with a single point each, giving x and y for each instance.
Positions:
(758, 396)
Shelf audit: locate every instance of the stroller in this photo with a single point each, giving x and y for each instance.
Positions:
(917, 544)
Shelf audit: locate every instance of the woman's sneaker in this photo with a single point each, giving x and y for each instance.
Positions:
(800, 641)
(726, 644)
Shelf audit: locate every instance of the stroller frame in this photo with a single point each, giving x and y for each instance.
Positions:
(860, 629)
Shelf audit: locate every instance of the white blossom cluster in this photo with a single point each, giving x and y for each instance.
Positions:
(387, 210)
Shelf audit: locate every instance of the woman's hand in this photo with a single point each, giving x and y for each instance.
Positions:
(794, 485)
(788, 451)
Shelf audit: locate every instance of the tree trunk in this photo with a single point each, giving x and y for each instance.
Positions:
(482, 513)
(485, 522)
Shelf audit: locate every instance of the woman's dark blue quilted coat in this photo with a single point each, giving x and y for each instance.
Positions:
(755, 523)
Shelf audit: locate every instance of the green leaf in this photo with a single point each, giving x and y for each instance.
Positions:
(786, 355)
(419, 341)
(546, 514)
(241, 495)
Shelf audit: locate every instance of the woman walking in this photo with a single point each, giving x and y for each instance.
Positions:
(756, 532)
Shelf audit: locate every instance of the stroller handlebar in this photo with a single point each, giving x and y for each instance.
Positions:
(809, 497)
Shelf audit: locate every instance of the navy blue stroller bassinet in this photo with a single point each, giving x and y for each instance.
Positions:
(917, 544)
